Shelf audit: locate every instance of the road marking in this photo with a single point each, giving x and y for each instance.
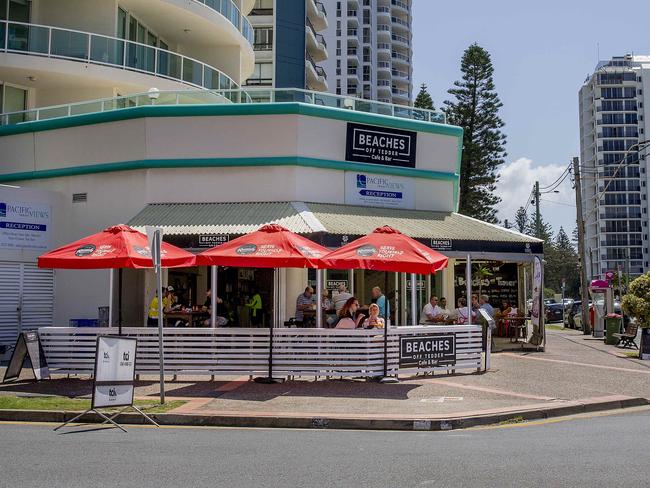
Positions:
(562, 361)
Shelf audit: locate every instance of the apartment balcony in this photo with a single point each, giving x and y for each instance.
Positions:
(52, 59)
(353, 37)
(353, 18)
(383, 32)
(317, 14)
(383, 13)
(400, 7)
(316, 76)
(384, 67)
(401, 76)
(400, 59)
(384, 50)
(401, 41)
(353, 55)
(316, 45)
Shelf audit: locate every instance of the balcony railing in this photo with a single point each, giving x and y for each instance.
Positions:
(318, 69)
(229, 10)
(321, 8)
(397, 3)
(72, 45)
(215, 97)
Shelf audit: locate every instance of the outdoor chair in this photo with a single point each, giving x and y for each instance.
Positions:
(626, 339)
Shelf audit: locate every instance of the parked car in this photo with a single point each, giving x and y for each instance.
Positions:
(576, 315)
(554, 312)
(571, 311)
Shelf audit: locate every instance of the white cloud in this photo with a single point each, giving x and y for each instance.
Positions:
(516, 182)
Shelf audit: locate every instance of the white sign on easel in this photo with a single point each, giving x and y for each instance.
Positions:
(114, 378)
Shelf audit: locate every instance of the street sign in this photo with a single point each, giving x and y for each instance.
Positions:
(427, 350)
(609, 275)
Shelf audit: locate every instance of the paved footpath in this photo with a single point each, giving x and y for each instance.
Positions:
(575, 370)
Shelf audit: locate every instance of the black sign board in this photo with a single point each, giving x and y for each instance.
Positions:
(380, 145)
(500, 284)
(645, 343)
(27, 344)
(441, 244)
(427, 351)
(211, 240)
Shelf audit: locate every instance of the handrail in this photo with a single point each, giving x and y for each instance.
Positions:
(214, 97)
(87, 47)
(230, 11)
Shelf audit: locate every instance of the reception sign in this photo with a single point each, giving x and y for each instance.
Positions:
(25, 225)
(427, 351)
(371, 190)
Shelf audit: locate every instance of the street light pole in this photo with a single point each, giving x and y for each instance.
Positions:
(584, 292)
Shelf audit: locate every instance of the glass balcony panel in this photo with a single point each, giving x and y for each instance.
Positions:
(69, 44)
(53, 112)
(140, 57)
(27, 38)
(107, 50)
(192, 71)
(86, 108)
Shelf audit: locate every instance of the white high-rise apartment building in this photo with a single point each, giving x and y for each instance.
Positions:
(615, 178)
(57, 52)
(370, 49)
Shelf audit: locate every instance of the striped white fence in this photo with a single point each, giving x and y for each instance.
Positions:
(245, 351)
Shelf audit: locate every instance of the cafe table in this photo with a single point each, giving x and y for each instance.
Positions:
(192, 317)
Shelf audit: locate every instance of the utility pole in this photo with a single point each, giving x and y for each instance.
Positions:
(538, 217)
(584, 292)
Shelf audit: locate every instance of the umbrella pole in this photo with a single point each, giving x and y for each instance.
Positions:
(319, 298)
(386, 378)
(161, 351)
(119, 302)
(110, 297)
(276, 294)
(414, 307)
(468, 283)
(213, 297)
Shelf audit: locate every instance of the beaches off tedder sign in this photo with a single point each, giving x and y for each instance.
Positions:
(427, 351)
(380, 145)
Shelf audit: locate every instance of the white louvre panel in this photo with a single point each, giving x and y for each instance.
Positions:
(10, 277)
(38, 297)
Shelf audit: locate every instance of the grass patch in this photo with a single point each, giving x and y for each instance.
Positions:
(631, 354)
(555, 327)
(80, 404)
(513, 420)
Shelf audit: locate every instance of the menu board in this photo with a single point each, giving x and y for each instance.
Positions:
(502, 284)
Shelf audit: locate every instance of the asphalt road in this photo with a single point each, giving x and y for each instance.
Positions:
(599, 451)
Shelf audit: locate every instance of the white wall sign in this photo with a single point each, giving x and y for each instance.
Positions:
(373, 190)
(25, 225)
(114, 371)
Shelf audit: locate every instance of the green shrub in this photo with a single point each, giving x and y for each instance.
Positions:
(637, 301)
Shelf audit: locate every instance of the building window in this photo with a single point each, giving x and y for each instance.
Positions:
(15, 10)
(262, 74)
(263, 38)
(13, 99)
(262, 7)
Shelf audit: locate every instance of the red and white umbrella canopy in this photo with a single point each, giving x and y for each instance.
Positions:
(386, 249)
(119, 246)
(271, 246)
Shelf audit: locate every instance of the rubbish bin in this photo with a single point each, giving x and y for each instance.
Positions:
(612, 326)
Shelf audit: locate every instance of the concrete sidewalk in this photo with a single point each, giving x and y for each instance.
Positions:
(576, 374)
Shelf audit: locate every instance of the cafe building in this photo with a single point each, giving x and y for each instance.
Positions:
(208, 167)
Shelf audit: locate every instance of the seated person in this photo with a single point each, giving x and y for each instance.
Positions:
(342, 296)
(303, 302)
(463, 311)
(207, 307)
(443, 308)
(373, 320)
(504, 310)
(348, 318)
(432, 313)
(326, 304)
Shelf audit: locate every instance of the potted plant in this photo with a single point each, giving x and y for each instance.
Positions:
(637, 304)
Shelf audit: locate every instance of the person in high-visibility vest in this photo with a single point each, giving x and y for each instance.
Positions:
(255, 306)
(152, 317)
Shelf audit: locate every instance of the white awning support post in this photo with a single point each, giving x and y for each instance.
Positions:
(414, 305)
(468, 283)
(213, 296)
(319, 298)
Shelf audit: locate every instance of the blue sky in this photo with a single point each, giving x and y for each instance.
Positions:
(542, 52)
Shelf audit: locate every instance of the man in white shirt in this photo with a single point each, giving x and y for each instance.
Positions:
(431, 313)
(341, 297)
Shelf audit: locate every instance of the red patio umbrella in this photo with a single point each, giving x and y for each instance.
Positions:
(386, 249)
(119, 246)
(271, 246)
